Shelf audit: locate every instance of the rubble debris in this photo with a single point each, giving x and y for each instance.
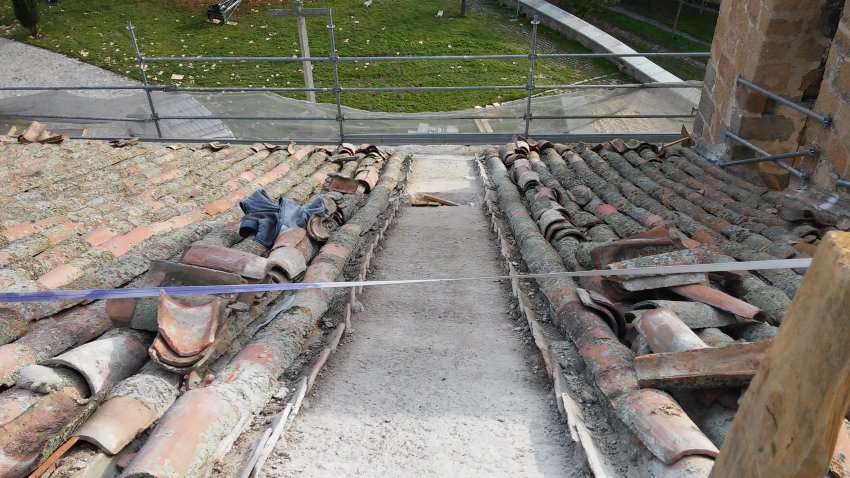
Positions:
(188, 330)
(715, 298)
(695, 315)
(37, 133)
(638, 206)
(123, 143)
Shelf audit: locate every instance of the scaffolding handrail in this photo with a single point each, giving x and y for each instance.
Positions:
(775, 158)
(352, 89)
(357, 59)
(825, 120)
(530, 87)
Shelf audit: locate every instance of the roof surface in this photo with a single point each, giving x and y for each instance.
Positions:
(90, 215)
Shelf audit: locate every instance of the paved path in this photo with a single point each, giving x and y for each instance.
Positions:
(27, 65)
(435, 381)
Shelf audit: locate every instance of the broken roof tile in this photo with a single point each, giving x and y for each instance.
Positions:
(104, 362)
(188, 329)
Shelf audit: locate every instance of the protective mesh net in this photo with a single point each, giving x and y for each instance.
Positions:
(503, 118)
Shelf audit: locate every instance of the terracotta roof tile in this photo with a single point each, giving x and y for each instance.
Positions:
(619, 196)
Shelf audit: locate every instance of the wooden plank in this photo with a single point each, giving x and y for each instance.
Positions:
(731, 366)
(437, 199)
(791, 415)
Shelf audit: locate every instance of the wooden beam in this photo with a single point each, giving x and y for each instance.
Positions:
(791, 415)
(731, 366)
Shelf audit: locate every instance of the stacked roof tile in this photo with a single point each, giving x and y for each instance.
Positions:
(89, 215)
(672, 353)
(169, 383)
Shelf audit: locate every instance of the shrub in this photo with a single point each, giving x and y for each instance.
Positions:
(26, 11)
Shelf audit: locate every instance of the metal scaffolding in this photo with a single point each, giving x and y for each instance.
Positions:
(338, 90)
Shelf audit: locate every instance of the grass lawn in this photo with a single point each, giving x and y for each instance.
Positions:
(654, 35)
(94, 31)
(700, 25)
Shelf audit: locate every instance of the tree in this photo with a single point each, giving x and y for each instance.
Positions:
(26, 11)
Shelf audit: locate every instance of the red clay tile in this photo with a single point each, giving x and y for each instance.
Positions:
(273, 174)
(104, 362)
(120, 245)
(50, 337)
(25, 439)
(180, 443)
(17, 232)
(228, 260)
(605, 210)
(59, 276)
(703, 368)
(59, 234)
(173, 223)
(721, 300)
(692, 466)
(661, 424)
(98, 236)
(320, 177)
(121, 311)
(187, 330)
(664, 331)
(116, 422)
(150, 202)
(15, 402)
(248, 176)
(49, 222)
(219, 206)
(290, 237)
(166, 176)
(125, 460)
(704, 237)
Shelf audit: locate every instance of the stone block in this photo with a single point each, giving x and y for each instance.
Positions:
(781, 27)
(842, 36)
(698, 126)
(811, 50)
(710, 75)
(725, 68)
(828, 99)
(836, 153)
(842, 76)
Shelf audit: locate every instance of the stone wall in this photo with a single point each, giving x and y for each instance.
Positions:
(834, 100)
(781, 45)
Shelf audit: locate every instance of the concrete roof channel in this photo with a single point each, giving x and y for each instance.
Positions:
(157, 215)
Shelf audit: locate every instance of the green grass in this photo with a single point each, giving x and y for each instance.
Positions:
(654, 35)
(700, 25)
(94, 31)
